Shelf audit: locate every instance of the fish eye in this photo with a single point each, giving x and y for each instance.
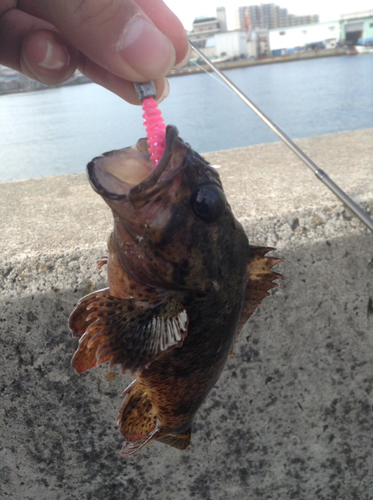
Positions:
(208, 202)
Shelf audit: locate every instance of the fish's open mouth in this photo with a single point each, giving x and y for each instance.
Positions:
(129, 172)
(114, 174)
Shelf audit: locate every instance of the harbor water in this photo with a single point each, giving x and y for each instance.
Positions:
(57, 131)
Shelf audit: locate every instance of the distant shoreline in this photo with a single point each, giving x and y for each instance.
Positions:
(242, 63)
(190, 70)
(75, 80)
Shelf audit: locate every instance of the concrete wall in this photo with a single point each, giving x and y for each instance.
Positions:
(290, 417)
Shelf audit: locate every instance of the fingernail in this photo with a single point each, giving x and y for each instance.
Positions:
(185, 60)
(146, 49)
(56, 57)
(165, 92)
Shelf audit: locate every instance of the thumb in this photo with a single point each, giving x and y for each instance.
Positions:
(115, 34)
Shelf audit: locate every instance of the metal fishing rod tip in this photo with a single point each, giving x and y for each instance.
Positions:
(145, 89)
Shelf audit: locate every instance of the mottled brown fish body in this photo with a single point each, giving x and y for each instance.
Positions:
(183, 379)
(183, 280)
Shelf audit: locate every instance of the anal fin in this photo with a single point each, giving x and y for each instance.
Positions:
(132, 447)
(179, 441)
(137, 419)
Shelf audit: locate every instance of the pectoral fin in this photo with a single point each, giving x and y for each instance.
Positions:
(78, 318)
(124, 331)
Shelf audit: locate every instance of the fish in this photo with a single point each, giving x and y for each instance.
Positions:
(183, 280)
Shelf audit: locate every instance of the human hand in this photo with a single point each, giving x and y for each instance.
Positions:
(112, 42)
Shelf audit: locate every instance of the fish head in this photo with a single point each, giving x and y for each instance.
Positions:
(173, 227)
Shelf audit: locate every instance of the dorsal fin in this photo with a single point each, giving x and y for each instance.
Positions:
(259, 281)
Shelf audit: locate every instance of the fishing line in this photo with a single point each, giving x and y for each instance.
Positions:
(212, 75)
(320, 174)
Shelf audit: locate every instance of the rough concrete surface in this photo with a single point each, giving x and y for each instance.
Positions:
(290, 418)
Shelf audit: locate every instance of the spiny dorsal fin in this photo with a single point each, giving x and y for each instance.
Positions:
(124, 331)
(259, 281)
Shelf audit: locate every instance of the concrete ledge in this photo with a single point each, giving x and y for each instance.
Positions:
(291, 415)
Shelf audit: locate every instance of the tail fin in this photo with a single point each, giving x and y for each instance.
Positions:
(137, 420)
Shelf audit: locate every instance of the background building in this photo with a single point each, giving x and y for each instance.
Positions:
(271, 30)
(210, 35)
(357, 28)
(222, 18)
(206, 27)
(269, 16)
(354, 29)
(231, 44)
(308, 36)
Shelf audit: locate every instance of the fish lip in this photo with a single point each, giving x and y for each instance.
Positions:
(96, 185)
(139, 194)
(150, 188)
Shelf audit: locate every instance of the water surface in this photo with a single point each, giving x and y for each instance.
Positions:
(58, 131)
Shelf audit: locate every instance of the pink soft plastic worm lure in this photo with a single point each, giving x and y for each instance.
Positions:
(155, 129)
(153, 121)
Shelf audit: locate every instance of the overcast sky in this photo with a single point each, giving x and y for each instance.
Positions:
(328, 10)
